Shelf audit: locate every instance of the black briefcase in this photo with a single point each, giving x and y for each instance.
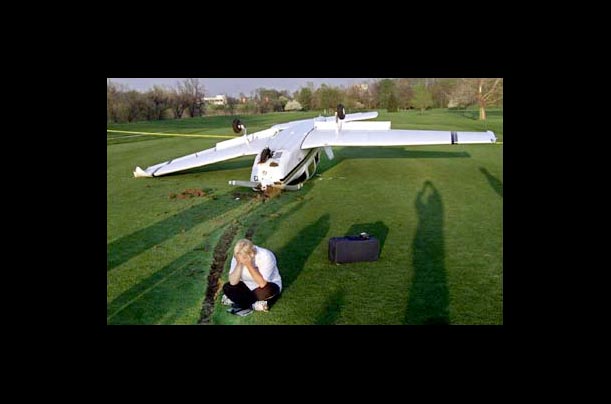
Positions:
(353, 249)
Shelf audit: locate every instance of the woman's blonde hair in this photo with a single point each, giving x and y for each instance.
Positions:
(244, 246)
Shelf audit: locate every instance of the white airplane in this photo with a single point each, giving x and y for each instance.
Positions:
(287, 154)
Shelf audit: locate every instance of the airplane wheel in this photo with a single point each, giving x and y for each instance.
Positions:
(237, 125)
(341, 111)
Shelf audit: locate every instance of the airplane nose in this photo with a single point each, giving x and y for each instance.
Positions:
(265, 182)
(264, 175)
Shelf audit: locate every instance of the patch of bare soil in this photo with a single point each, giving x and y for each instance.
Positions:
(262, 196)
(271, 193)
(214, 277)
(189, 193)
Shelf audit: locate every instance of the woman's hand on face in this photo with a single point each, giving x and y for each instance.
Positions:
(243, 259)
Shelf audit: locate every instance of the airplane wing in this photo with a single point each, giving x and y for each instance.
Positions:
(226, 150)
(380, 134)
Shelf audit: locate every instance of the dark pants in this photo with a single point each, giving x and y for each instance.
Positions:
(244, 297)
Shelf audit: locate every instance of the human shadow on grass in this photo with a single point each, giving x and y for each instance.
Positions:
(378, 230)
(428, 296)
(163, 296)
(332, 308)
(494, 182)
(131, 245)
(294, 254)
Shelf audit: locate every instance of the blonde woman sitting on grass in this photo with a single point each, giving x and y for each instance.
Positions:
(254, 278)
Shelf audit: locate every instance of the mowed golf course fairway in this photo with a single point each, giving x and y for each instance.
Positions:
(437, 211)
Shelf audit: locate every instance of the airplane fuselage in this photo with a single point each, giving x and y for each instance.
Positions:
(288, 164)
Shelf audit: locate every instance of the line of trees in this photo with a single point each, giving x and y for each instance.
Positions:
(160, 102)
(185, 99)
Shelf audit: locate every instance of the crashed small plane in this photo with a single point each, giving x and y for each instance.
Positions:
(287, 154)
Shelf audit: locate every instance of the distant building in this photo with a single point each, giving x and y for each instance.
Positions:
(216, 100)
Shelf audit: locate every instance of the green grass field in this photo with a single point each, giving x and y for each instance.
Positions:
(437, 210)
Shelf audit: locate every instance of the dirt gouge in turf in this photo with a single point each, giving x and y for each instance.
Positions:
(287, 154)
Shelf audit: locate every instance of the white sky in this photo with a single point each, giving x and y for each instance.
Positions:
(233, 86)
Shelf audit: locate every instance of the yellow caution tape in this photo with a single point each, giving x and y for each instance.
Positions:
(167, 134)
